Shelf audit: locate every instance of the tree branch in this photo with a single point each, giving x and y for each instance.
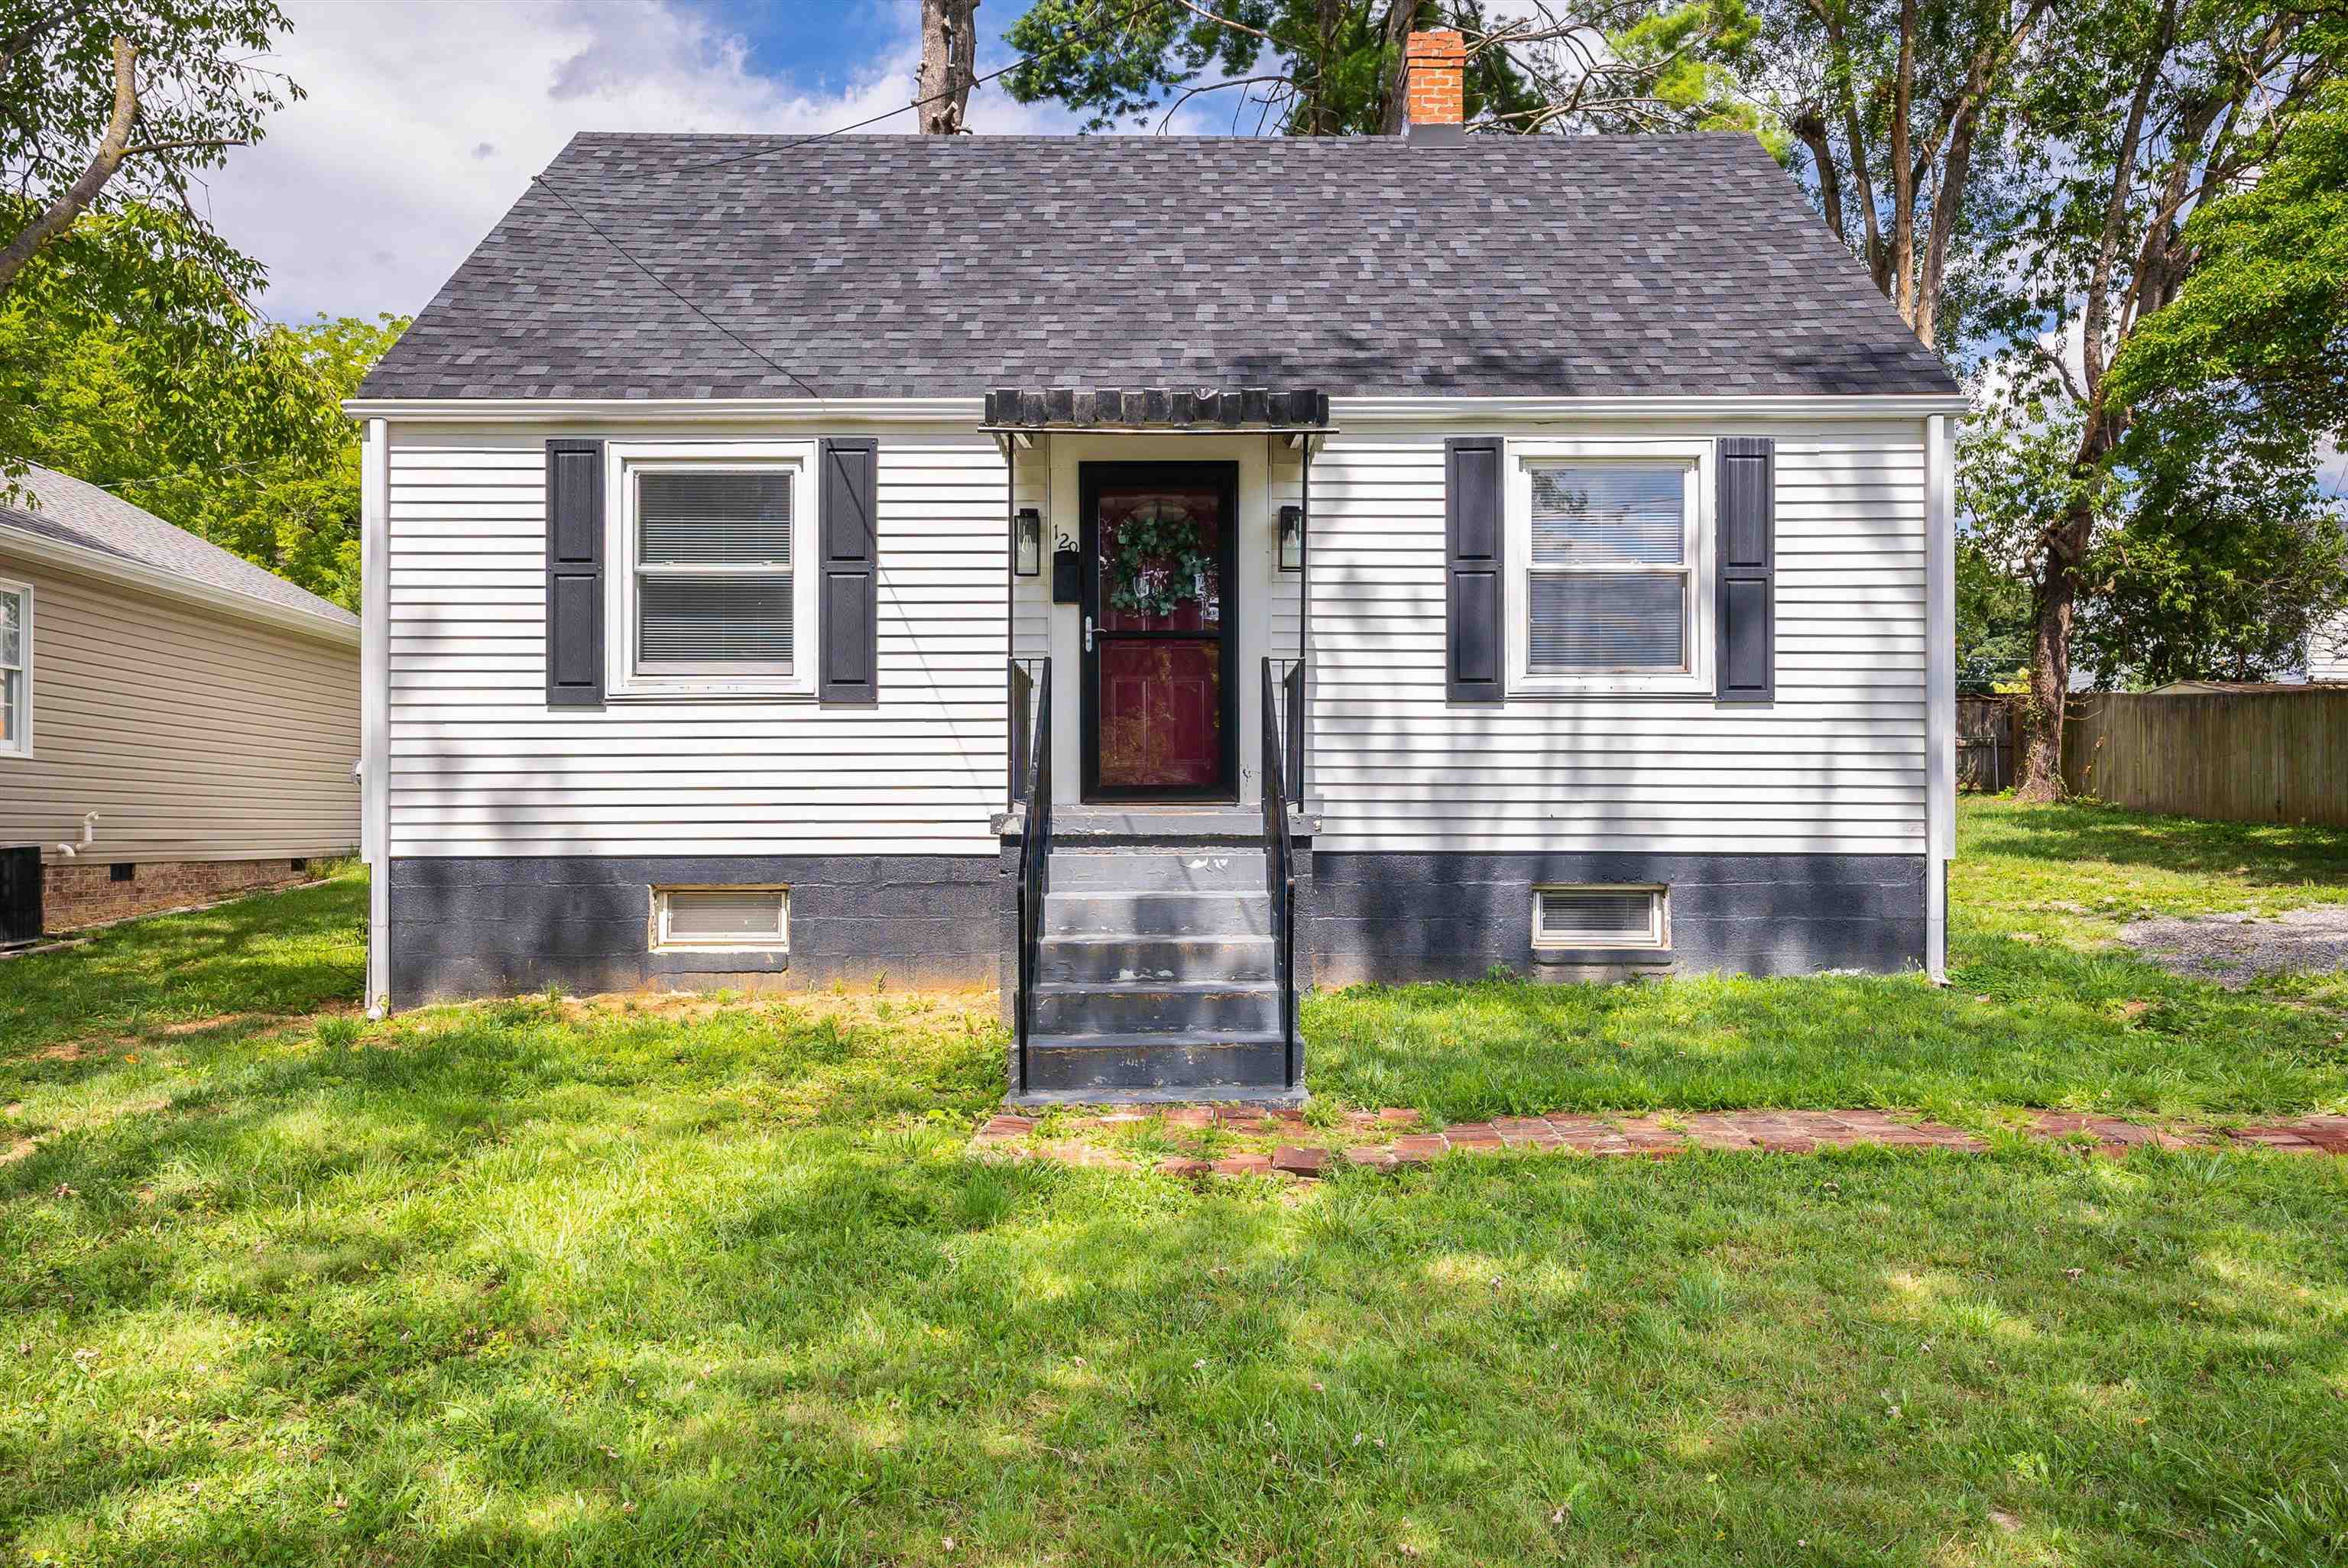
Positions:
(182, 145)
(84, 191)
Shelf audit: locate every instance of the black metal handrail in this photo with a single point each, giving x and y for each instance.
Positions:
(1281, 722)
(1031, 794)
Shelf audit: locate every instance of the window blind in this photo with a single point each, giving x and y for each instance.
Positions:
(714, 519)
(1586, 621)
(714, 570)
(703, 620)
(1599, 916)
(1584, 516)
(1609, 584)
(702, 915)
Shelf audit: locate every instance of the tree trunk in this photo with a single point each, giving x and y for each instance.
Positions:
(949, 61)
(2040, 775)
(1399, 16)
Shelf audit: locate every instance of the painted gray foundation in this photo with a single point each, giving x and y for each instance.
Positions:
(1392, 918)
(505, 926)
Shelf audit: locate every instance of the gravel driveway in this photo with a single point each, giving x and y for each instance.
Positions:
(2234, 950)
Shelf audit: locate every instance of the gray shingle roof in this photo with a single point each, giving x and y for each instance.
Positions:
(74, 513)
(886, 266)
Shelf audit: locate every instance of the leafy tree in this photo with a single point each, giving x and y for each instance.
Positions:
(186, 406)
(1894, 103)
(2263, 316)
(2135, 113)
(1335, 68)
(107, 104)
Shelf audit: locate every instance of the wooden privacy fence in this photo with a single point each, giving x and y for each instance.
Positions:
(2277, 755)
(1986, 740)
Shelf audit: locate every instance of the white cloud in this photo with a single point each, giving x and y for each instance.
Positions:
(425, 120)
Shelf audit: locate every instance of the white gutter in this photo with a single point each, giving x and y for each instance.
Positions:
(1940, 686)
(172, 585)
(1402, 409)
(374, 708)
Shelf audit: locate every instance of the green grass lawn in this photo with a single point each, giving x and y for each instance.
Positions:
(681, 1283)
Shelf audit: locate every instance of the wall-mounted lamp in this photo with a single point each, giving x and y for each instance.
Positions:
(1292, 539)
(1027, 541)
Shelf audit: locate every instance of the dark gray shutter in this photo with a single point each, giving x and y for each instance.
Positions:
(1748, 561)
(849, 536)
(574, 573)
(1475, 565)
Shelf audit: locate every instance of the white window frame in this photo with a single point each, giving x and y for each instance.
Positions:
(1659, 926)
(660, 941)
(624, 462)
(1696, 458)
(20, 745)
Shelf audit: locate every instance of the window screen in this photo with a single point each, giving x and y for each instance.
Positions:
(1608, 583)
(722, 916)
(14, 651)
(713, 566)
(1598, 917)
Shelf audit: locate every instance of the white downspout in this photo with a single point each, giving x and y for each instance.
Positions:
(375, 666)
(1940, 686)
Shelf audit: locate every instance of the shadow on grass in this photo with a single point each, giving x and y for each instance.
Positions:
(2021, 1024)
(553, 1340)
(2259, 854)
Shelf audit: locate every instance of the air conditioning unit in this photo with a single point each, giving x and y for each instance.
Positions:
(20, 894)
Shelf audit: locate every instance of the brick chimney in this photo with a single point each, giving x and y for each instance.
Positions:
(1434, 66)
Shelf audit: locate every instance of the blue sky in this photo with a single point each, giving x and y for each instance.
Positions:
(426, 118)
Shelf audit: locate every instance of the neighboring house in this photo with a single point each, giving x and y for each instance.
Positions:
(205, 711)
(2327, 652)
(705, 648)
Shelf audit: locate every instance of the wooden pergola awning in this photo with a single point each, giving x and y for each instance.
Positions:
(1017, 411)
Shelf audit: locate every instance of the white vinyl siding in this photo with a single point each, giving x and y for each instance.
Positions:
(1834, 765)
(481, 765)
(193, 733)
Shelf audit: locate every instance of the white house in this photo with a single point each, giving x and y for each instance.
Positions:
(1155, 575)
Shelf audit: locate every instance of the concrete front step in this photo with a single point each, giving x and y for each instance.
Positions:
(1183, 870)
(1181, 1007)
(1208, 1065)
(1105, 914)
(1133, 960)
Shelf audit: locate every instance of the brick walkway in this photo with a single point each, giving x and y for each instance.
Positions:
(1306, 1152)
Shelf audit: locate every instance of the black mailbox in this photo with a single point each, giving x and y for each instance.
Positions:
(1068, 577)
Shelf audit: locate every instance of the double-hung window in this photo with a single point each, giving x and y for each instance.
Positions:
(15, 669)
(713, 578)
(1611, 575)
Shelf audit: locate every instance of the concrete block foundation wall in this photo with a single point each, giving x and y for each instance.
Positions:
(509, 925)
(77, 893)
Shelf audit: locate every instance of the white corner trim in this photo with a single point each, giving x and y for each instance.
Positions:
(1939, 684)
(172, 585)
(375, 707)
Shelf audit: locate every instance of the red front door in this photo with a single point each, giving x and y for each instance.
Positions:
(1158, 692)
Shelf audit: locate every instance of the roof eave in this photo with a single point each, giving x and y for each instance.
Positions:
(172, 585)
(1408, 409)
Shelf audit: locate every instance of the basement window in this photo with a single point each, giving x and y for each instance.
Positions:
(721, 919)
(1609, 917)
